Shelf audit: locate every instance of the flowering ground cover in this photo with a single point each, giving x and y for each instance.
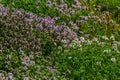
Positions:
(59, 39)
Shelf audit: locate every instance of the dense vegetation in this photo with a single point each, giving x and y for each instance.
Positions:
(60, 39)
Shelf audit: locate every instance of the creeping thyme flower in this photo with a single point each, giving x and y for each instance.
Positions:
(72, 12)
(89, 42)
(48, 4)
(101, 43)
(76, 1)
(8, 57)
(115, 47)
(116, 42)
(95, 39)
(10, 76)
(98, 63)
(105, 38)
(79, 21)
(84, 7)
(112, 38)
(98, 7)
(82, 39)
(39, 26)
(113, 59)
(26, 78)
(106, 13)
(44, 78)
(32, 63)
(62, 1)
(99, 21)
(107, 51)
(24, 68)
(54, 4)
(64, 41)
(32, 33)
(84, 18)
(111, 21)
(68, 71)
(1, 76)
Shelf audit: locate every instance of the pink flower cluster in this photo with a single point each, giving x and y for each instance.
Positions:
(23, 26)
(58, 32)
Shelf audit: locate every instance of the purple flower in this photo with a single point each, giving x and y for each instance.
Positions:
(48, 4)
(57, 33)
(76, 1)
(5, 12)
(99, 20)
(19, 12)
(74, 35)
(29, 21)
(48, 21)
(45, 78)
(75, 27)
(24, 63)
(84, 7)
(72, 12)
(46, 31)
(79, 21)
(39, 26)
(52, 22)
(10, 76)
(31, 15)
(106, 13)
(32, 63)
(1, 7)
(74, 6)
(84, 17)
(57, 28)
(54, 4)
(98, 7)
(58, 38)
(64, 33)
